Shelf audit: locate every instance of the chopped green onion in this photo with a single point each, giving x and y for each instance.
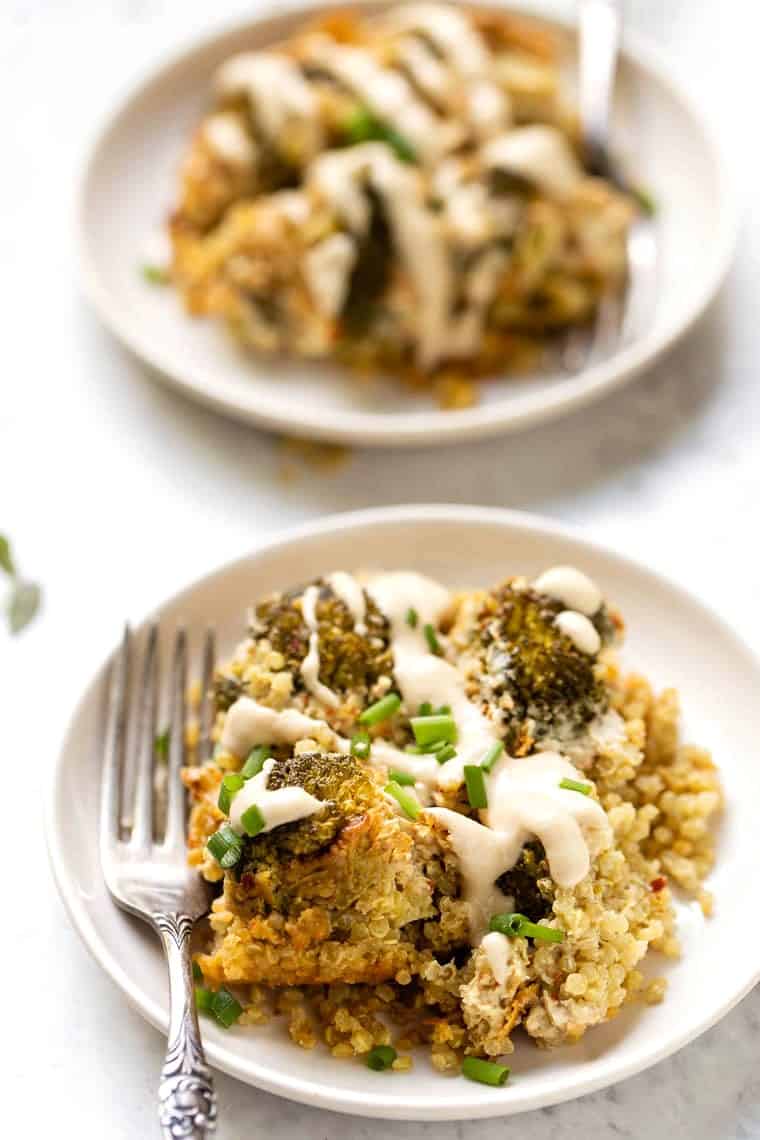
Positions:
(485, 1072)
(225, 1008)
(518, 926)
(203, 999)
(412, 618)
(255, 761)
(430, 638)
(197, 972)
(228, 789)
(575, 786)
(406, 801)
(444, 710)
(492, 755)
(475, 782)
(362, 126)
(154, 274)
(644, 199)
(226, 846)
(425, 709)
(381, 710)
(414, 750)
(448, 752)
(252, 821)
(161, 744)
(434, 729)
(402, 778)
(361, 745)
(381, 1057)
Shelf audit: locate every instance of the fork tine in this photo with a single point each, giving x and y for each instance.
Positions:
(581, 348)
(115, 740)
(142, 830)
(175, 800)
(207, 704)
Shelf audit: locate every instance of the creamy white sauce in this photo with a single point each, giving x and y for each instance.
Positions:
(540, 154)
(310, 663)
(350, 592)
(225, 133)
(277, 805)
(277, 92)
(327, 268)
(488, 108)
(422, 676)
(580, 631)
(571, 587)
(498, 951)
(428, 74)
(339, 177)
(292, 204)
(480, 287)
(249, 724)
(525, 802)
(450, 32)
(387, 94)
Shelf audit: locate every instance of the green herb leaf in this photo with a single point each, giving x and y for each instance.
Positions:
(381, 1057)
(484, 1072)
(225, 1008)
(644, 199)
(362, 126)
(6, 559)
(23, 604)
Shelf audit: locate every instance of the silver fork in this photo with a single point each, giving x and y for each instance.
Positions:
(150, 878)
(622, 313)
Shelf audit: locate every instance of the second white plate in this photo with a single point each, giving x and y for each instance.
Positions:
(127, 189)
(673, 640)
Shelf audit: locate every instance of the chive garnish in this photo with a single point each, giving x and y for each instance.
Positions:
(485, 1072)
(644, 200)
(492, 755)
(361, 745)
(414, 750)
(403, 778)
(154, 274)
(255, 761)
(203, 999)
(444, 710)
(252, 821)
(226, 846)
(381, 710)
(412, 618)
(439, 728)
(381, 1057)
(225, 1008)
(197, 972)
(228, 789)
(575, 786)
(475, 783)
(448, 752)
(406, 801)
(518, 926)
(431, 639)
(161, 744)
(425, 709)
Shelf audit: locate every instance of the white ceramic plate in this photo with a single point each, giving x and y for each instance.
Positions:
(127, 190)
(673, 638)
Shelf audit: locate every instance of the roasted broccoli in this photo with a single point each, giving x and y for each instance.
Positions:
(549, 684)
(339, 780)
(529, 883)
(349, 661)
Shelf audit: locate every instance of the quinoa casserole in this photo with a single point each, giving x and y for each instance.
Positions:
(401, 193)
(441, 819)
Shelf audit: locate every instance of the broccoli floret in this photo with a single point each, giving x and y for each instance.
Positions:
(346, 788)
(550, 683)
(529, 883)
(348, 661)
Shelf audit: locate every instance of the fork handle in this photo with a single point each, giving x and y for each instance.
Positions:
(187, 1101)
(599, 26)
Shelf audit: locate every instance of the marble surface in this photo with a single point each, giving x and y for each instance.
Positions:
(115, 491)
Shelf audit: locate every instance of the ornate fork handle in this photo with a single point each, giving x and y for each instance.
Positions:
(187, 1101)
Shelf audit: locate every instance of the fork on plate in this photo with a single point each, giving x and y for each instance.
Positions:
(622, 313)
(144, 858)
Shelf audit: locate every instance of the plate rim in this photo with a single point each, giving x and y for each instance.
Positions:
(372, 429)
(318, 1094)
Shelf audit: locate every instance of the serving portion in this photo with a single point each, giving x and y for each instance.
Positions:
(400, 192)
(441, 818)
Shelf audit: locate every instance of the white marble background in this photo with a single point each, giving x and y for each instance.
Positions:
(115, 490)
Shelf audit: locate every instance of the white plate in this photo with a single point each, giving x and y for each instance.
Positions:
(127, 190)
(673, 638)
